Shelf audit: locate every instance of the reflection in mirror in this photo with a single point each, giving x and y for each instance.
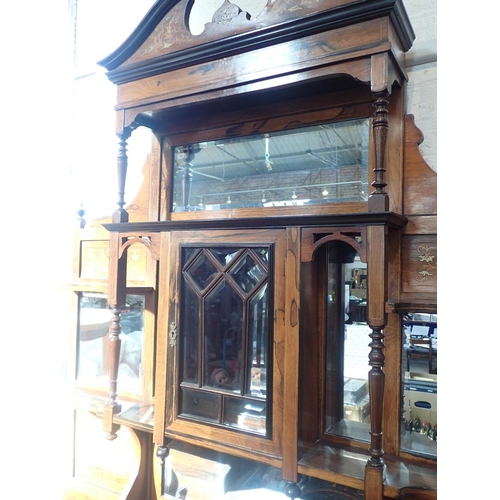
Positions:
(419, 363)
(347, 404)
(93, 357)
(311, 165)
(223, 338)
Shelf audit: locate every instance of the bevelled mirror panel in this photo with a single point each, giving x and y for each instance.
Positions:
(305, 166)
(419, 363)
(93, 334)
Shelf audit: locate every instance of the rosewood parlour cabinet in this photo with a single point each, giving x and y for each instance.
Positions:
(285, 228)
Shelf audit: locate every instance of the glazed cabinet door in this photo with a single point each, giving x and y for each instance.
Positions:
(221, 318)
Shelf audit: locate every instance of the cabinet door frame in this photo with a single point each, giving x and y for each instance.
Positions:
(167, 386)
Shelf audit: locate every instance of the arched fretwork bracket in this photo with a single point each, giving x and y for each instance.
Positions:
(313, 238)
(150, 241)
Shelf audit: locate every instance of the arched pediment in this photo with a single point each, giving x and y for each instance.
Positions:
(168, 38)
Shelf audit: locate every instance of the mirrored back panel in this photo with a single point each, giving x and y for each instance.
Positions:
(419, 363)
(311, 165)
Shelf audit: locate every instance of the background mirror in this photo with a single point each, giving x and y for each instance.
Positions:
(419, 368)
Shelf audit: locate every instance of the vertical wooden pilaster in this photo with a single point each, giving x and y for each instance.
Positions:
(162, 346)
(291, 387)
(377, 319)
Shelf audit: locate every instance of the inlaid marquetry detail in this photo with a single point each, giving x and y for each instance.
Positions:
(427, 256)
(94, 259)
(169, 32)
(419, 272)
(177, 31)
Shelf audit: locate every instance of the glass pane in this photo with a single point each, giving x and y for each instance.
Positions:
(202, 271)
(199, 404)
(263, 254)
(190, 321)
(419, 420)
(347, 404)
(311, 165)
(94, 322)
(228, 338)
(258, 327)
(223, 309)
(246, 273)
(224, 256)
(245, 415)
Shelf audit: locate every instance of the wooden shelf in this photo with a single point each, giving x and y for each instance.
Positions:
(426, 303)
(346, 466)
(138, 416)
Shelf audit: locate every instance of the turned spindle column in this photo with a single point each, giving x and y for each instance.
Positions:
(169, 483)
(116, 290)
(377, 296)
(379, 200)
(121, 215)
(112, 407)
(162, 452)
(377, 385)
(116, 300)
(377, 320)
